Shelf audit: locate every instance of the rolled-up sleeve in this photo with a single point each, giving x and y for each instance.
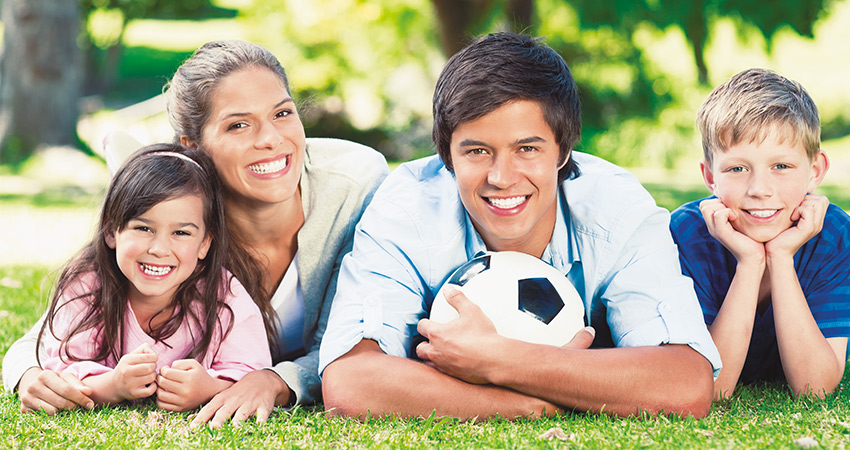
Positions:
(648, 300)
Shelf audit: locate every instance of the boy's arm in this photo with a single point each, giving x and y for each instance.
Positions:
(732, 328)
(812, 363)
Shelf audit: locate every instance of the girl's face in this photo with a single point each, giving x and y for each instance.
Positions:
(255, 137)
(160, 249)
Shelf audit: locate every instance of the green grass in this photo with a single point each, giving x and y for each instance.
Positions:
(761, 416)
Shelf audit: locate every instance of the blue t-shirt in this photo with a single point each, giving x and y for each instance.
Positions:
(610, 240)
(823, 269)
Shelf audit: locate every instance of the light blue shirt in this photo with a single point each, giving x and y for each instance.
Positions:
(610, 239)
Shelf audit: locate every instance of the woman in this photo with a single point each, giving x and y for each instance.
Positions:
(291, 203)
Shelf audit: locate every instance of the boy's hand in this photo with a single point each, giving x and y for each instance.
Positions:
(186, 385)
(718, 218)
(135, 374)
(809, 222)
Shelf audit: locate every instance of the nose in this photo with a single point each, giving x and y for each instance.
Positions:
(160, 245)
(760, 185)
(503, 172)
(268, 136)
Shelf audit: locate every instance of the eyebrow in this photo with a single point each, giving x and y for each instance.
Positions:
(476, 143)
(243, 114)
(179, 225)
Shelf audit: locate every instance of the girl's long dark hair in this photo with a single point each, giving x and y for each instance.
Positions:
(150, 176)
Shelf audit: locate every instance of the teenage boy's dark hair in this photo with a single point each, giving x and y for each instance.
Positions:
(500, 68)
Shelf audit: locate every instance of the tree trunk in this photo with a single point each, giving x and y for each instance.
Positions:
(40, 76)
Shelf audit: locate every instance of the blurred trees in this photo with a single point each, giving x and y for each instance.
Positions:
(105, 22)
(365, 70)
(694, 17)
(40, 76)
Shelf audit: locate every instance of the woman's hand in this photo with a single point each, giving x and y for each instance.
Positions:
(255, 394)
(51, 392)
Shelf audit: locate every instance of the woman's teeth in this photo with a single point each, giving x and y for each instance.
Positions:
(269, 167)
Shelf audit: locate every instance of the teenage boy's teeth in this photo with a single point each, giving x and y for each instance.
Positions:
(507, 203)
(762, 212)
(156, 270)
(269, 167)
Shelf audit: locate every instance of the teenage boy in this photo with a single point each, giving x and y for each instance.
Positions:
(506, 118)
(770, 261)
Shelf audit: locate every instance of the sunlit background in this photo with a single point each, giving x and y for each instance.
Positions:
(365, 71)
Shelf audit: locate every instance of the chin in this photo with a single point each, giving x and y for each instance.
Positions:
(763, 236)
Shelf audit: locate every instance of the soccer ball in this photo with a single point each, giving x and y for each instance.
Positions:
(526, 298)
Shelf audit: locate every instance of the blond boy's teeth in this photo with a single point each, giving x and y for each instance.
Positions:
(269, 167)
(156, 270)
(507, 203)
(762, 212)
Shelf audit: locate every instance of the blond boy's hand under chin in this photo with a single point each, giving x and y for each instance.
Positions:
(186, 385)
(808, 222)
(719, 219)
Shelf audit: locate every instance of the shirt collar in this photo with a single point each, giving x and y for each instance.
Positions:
(561, 252)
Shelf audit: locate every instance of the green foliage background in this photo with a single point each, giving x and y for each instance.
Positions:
(365, 70)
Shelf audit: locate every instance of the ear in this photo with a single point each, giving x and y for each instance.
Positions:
(565, 161)
(820, 165)
(707, 175)
(110, 239)
(205, 247)
(188, 143)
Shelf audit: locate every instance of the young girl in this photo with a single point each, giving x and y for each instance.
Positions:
(146, 307)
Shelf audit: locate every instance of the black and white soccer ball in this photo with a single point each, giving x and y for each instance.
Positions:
(525, 297)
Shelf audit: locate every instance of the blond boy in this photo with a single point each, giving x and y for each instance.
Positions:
(770, 260)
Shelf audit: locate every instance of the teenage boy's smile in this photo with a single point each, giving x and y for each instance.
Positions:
(506, 165)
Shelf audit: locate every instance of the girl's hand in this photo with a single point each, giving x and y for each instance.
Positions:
(186, 385)
(135, 374)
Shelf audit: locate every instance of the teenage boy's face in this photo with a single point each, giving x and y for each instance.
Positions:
(506, 164)
(764, 183)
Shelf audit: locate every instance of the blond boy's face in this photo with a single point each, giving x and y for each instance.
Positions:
(763, 183)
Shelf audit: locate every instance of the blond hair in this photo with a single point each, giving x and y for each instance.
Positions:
(754, 105)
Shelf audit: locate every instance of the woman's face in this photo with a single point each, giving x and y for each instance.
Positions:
(255, 137)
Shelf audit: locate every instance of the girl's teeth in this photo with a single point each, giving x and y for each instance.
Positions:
(269, 167)
(507, 203)
(156, 270)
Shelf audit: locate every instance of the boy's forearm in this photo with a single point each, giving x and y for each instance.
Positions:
(732, 328)
(810, 363)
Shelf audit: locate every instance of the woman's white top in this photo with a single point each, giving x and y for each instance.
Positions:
(288, 304)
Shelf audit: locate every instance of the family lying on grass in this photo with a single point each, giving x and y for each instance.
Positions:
(342, 260)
